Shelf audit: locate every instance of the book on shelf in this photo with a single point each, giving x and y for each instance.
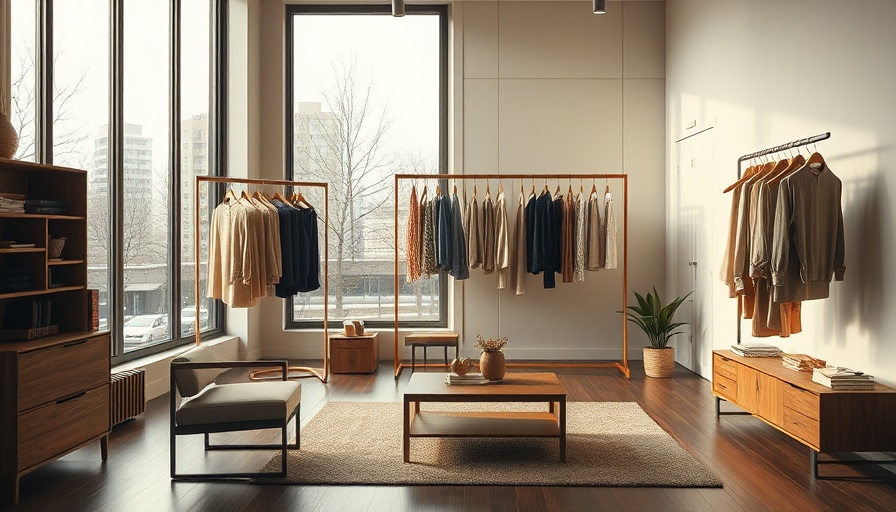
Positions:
(93, 309)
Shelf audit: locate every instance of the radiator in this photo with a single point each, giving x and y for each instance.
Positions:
(127, 395)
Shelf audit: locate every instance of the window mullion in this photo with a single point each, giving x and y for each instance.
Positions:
(116, 174)
(174, 172)
(43, 146)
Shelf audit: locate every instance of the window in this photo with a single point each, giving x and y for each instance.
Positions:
(154, 205)
(366, 98)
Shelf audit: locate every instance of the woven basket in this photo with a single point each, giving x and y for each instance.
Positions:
(659, 362)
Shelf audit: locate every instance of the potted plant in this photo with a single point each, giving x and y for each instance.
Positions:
(656, 320)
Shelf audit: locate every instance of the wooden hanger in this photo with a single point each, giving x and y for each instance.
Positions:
(815, 161)
(299, 200)
(796, 163)
(230, 195)
(500, 187)
(282, 199)
(593, 188)
(488, 189)
(746, 176)
(423, 195)
(438, 190)
(474, 190)
(455, 189)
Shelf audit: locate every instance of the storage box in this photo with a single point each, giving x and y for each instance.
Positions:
(359, 354)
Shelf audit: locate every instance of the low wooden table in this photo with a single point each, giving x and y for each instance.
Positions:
(516, 387)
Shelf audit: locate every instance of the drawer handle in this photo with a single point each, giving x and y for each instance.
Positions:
(75, 344)
(69, 399)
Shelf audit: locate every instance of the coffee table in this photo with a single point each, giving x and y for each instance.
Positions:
(516, 387)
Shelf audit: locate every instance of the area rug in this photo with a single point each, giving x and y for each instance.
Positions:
(608, 444)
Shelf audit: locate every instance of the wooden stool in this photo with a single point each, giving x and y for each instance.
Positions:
(430, 339)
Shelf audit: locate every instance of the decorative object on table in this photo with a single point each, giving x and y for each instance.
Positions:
(461, 367)
(353, 327)
(491, 361)
(9, 139)
(756, 350)
(54, 247)
(656, 320)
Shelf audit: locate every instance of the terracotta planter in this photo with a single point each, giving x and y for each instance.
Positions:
(659, 362)
(492, 366)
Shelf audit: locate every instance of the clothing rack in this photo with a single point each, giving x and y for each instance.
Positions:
(768, 151)
(622, 366)
(320, 373)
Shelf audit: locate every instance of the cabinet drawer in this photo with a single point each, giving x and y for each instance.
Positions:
(724, 367)
(354, 344)
(353, 361)
(801, 426)
(56, 427)
(724, 386)
(55, 372)
(801, 401)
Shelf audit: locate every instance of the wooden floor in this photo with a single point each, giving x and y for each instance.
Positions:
(761, 468)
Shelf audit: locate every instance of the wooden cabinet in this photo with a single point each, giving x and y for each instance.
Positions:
(356, 354)
(54, 399)
(54, 377)
(817, 416)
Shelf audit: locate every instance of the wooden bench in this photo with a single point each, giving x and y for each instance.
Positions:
(430, 339)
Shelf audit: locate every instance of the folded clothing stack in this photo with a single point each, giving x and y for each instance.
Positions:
(802, 362)
(843, 379)
(756, 350)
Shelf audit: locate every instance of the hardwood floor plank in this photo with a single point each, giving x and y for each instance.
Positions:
(761, 468)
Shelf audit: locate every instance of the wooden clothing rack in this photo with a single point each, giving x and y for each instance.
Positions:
(320, 373)
(763, 152)
(622, 366)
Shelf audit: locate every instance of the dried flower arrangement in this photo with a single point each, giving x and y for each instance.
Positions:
(491, 344)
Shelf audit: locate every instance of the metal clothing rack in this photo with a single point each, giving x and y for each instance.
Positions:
(320, 373)
(622, 366)
(768, 151)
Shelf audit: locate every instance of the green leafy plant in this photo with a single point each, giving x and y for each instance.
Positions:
(654, 318)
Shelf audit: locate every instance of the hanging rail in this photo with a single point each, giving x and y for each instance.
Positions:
(768, 151)
(621, 366)
(322, 374)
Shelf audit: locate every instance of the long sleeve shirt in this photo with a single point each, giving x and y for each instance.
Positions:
(808, 237)
(413, 238)
(471, 229)
(581, 229)
(502, 248)
(518, 254)
(487, 235)
(457, 259)
(610, 233)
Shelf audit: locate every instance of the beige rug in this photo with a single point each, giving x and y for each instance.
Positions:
(608, 444)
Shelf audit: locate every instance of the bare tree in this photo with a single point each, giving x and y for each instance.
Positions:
(68, 132)
(344, 146)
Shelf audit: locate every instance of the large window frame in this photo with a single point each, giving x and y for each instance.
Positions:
(439, 10)
(116, 140)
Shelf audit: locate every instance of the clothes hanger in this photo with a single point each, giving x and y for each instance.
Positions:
(500, 187)
(796, 163)
(488, 191)
(815, 161)
(593, 186)
(607, 189)
(230, 195)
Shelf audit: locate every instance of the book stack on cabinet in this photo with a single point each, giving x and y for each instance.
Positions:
(54, 368)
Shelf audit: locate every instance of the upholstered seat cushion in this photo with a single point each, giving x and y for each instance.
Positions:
(245, 401)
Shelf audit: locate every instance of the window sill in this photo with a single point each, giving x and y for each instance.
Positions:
(167, 355)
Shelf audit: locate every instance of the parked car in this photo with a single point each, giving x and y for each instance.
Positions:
(144, 329)
(188, 320)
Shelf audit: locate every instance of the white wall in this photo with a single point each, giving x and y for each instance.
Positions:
(767, 72)
(536, 87)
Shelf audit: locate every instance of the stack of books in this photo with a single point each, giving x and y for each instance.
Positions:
(11, 203)
(843, 379)
(802, 362)
(756, 350)
(45, 207)
(468, 379)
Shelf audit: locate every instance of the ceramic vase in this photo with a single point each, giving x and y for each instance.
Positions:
(9, 140)
(492, 366)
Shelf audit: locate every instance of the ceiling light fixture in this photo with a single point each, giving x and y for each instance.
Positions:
(599, 6)
(398, 8)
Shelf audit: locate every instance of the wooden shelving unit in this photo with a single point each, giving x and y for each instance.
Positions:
(54, 389)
